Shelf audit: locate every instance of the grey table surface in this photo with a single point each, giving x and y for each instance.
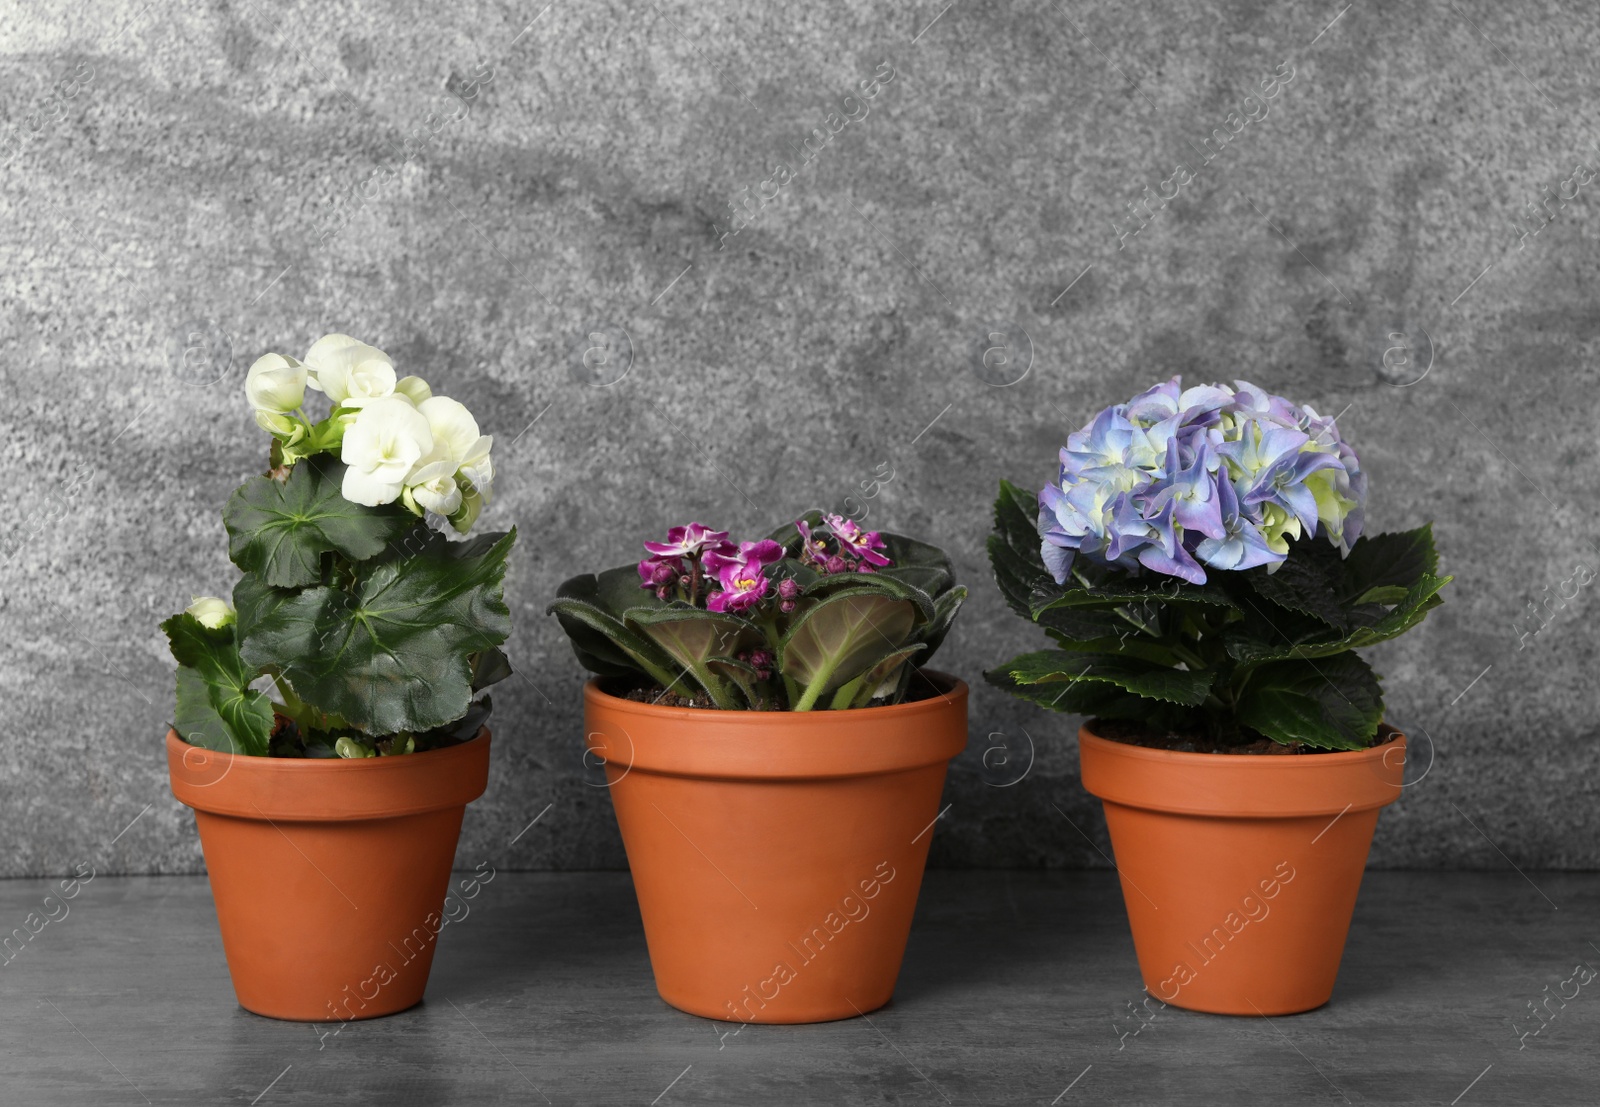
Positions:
(1016, 989)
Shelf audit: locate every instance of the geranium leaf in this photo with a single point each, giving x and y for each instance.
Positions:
(393, 652)
(281, 529)
(1334, 703)
(216, 707)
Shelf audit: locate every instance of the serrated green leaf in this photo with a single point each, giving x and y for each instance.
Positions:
(1090, 699)
(216, 708)
(281, 529)
(1129, 673)
(1398, 558)
(1287, 638)
(392, 653)
(1333, 703)
(1310, 581)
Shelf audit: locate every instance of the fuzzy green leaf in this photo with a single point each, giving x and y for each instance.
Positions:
(840, 637)
(281, 529)
(1333, 703)
(394, 652)
(216, 708)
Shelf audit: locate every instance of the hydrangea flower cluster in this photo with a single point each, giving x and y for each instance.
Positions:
(1180, 480)
(698, 564)
(397, 439)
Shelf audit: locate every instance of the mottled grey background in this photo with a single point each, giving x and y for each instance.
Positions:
(186, 186)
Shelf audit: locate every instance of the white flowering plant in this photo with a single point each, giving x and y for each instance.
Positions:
(367, 620)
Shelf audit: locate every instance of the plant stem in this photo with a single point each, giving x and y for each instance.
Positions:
(814, 690)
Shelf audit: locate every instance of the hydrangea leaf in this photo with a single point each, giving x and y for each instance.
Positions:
(840, 637)
(216, 707)
(1142, 678)
(393, 651)
(1397, 559)
(281, 528)
(1333, 703)
(1283, 638)
(1095, 699)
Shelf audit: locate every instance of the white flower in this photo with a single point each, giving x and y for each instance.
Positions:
(212, 612)
(381, 448)
(455, 431)
(414, 389)
(477, 468)
(276, 384)
(349, 371)
(439, 495)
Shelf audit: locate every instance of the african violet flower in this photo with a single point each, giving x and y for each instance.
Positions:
(856, 551)
(741, 575)
(1177, 480)
(691, 540)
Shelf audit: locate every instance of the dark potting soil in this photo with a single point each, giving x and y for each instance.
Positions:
(1132, 733)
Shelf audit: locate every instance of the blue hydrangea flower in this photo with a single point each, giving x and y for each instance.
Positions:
(1178, 480)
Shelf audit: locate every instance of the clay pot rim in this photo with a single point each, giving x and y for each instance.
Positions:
(710, 744)
(1332, 757)
(1241, 786)
(329, 789)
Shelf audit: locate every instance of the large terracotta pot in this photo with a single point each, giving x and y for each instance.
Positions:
(777, 855)
(1240, 872)
(329, 876)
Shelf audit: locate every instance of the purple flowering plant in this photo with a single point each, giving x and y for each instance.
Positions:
(1200, 563)
(819, 614)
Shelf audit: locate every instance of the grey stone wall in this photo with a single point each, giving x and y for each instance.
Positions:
(949, 282)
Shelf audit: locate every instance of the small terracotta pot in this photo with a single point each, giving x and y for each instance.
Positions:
(329, 876)
(777, 855)
(1240, 872)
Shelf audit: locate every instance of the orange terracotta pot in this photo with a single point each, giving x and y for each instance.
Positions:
(777, 855)
(329, 876)
(1240, 872)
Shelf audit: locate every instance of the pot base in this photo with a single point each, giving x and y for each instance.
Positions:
(1240, 874)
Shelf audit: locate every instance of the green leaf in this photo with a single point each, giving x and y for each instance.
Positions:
(1310, 581)
(394, 652)
(1091, 699)
(945, 609)
(489, 666)
(1259, 638)
(281, 529)
(886, 670)
(841, 637)
(603, 644)
(216, 708)
(1334, 703)
(692, 637)
(1016, 520)
(1397, 559)
(254, 600)
(1132, 674)
(893, 587)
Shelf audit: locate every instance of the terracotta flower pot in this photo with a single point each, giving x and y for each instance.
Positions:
(777, 855)
(1240, 872)
(329, 876)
